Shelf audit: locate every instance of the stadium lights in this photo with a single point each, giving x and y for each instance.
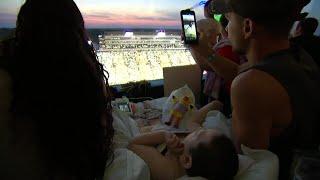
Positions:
(161, 34)
(128, 34)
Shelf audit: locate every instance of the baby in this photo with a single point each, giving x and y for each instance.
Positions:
(204, 153)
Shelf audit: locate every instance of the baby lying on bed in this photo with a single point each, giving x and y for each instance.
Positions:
(204, 153)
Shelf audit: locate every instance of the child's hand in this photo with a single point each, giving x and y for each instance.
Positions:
(216, 105)
(174, 144)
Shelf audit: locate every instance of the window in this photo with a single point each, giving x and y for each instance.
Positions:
(134, 39)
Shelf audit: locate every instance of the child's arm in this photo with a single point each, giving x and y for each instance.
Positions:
(173, 143)
(160, 166)
(150, 139)
(200, 116)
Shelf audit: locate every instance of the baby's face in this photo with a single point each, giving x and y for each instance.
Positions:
(191, 141)
(198, 136)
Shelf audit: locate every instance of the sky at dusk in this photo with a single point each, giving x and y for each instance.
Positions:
(117, 13)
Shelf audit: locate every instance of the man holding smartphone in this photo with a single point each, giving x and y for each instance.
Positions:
(275, 100)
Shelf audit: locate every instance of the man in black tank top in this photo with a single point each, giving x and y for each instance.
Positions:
(276, 100)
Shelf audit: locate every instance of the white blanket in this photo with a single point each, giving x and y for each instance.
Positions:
(254, 164)
(125, 165)
(263, 165)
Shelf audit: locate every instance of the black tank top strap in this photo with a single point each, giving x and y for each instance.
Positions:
(299, 75)
(296, 71)
(279, 65)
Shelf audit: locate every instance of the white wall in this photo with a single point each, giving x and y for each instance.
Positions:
(314, 11)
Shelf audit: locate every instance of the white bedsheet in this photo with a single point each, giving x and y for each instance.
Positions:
(263, 165)
(254, 164)
(125, 165)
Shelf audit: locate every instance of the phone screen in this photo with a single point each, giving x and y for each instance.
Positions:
(189, 26)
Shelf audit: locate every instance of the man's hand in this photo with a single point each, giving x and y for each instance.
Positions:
(201, 51)
(174, 144)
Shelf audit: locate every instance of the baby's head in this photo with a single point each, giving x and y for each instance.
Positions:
(209, 154)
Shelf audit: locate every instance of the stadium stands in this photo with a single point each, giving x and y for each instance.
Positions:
(140, 57)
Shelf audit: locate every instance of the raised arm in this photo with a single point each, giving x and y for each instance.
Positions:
(150, 139)
(201, 61)
(160, 166)
(224, 67)
(199, 116)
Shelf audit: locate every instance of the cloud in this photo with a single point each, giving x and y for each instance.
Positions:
(131, 19)
(115, 19)
(157, 18)
(99, 14)
(92, 21)
(108, 13)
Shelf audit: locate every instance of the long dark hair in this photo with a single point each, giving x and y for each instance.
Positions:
(60, 89)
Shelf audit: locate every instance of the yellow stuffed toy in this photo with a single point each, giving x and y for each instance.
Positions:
(180, 108)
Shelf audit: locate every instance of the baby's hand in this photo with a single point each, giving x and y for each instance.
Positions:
(217, 105)
(174, 144)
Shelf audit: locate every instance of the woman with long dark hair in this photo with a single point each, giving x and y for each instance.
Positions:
(61, 124)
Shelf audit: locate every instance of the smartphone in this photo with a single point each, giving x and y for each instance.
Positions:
(189, 26)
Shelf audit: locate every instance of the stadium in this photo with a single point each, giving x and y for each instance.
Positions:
(137, 56)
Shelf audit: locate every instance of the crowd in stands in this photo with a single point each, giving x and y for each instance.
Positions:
(140, 42)
(136, 65)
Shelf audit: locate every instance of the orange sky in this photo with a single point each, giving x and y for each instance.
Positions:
(116, 13)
